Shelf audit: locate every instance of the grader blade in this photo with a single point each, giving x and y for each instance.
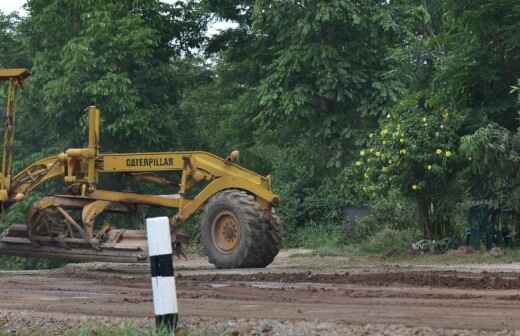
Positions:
(119, 246)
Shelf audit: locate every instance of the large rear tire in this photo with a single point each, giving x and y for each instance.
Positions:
(236, 232)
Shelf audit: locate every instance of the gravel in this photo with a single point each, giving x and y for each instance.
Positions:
(29, 323)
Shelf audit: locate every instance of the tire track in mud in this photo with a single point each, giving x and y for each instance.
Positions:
(378, 277)
(437, 279)
(445, 299)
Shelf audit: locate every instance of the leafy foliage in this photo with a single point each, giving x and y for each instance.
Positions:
(326, 80)
(410, 107)
(415, 152)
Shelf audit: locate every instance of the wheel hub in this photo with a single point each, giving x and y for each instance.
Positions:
(226, 232)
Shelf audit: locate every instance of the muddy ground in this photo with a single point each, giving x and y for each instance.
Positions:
(291, 297)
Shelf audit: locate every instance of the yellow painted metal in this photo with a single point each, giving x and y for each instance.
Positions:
(89, 214)
(9, 119)
(15, 78)
(80, 168)
(139, 162)
(200, 164)
(221, 176)
(85, 153)
(93, 143)
(14, 73)
(36, 174)
(133, 198)
(223, 183)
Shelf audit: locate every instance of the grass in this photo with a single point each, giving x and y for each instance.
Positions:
(479, 257)
(385, 247)
(20, 263)
(356, 255)
(124, 330)
(314, 236)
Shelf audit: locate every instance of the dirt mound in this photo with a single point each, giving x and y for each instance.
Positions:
(440, 279)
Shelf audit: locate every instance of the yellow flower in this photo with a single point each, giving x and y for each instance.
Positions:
(429, 167)
(424, 119)
(371, 150)
(438, 151)
(385, 169)
(415, 187)
(384, 142)
(403, 151)
(378, 154)
(401, 140)
(371, 135)
(390, 161)
(448, 153)
(359, 163)
(362, 153)
(384, 132)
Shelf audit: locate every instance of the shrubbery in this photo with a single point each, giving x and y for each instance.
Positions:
(391, 242)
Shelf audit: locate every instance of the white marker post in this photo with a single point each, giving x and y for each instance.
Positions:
(163, 277)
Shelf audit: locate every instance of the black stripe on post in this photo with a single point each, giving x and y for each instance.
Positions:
(162, 265)
(165, 322)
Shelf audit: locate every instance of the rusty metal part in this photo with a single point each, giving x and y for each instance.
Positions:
(71, 223)
(46, 222)
(62, 227)
(121, 246)
(101, 233)
(226, 232)
(89, 214)
(51, 217)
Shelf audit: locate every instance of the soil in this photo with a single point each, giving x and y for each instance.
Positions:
(283, 299)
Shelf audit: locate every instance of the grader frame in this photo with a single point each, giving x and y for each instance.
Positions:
(80, 169)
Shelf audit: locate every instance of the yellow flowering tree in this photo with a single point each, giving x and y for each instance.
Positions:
(414, 150)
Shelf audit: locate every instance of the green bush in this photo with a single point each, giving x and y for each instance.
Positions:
(394, 212)
(390, 242)
(315, 236)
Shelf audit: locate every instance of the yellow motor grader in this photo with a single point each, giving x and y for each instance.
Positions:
(238, 226)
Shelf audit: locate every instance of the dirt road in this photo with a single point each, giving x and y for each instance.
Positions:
(416, 297)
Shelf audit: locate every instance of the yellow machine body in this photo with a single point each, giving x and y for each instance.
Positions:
(80, 169)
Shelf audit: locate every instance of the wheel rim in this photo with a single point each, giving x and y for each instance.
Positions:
(226, 232)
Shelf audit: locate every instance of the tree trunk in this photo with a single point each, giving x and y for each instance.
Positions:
(423, 210)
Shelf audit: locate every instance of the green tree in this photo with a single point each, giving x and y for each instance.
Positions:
(127, 57)
(459, 61)
(326, 84)
(415, 152)
(12, 51)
